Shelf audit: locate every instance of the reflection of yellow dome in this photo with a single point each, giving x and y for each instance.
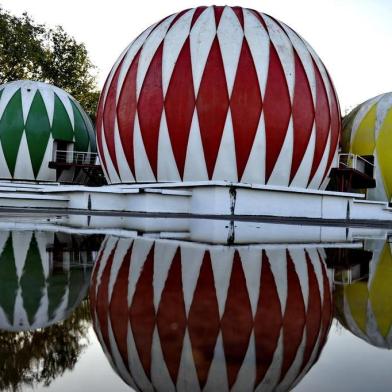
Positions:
(365, 307)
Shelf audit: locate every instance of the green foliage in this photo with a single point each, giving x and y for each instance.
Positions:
(34, 51)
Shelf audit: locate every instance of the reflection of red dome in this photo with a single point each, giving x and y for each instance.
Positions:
(221, 93)
(171, 315)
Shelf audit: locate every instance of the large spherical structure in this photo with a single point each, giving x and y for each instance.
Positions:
(219, 93)
(185, 317)
(36, 119)
(367, 130)
(364, 307)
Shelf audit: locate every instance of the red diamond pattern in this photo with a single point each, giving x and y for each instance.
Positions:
(322, 119)
(303, 115)
(109, 116)
(246, 106)
(150, 107)
(126, 111)
(180, 105)
(277, 110)
(203, 322)
(212, 103)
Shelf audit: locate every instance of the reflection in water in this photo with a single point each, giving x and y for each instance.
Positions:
(364, 304)
(40, 356)
(190, 317)
(44, 277)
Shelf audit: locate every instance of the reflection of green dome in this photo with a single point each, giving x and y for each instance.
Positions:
(34, 291)
(367, 130)
(365, 307)
(34, 116)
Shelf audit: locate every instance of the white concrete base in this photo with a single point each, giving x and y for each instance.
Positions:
(198, 199)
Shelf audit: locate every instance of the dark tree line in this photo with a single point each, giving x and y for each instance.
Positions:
(35, 51)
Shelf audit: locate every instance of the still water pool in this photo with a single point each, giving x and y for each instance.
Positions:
(127, 311)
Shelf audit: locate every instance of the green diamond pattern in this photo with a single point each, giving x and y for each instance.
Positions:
(81, 132)
(56, 289)
(32, 281)
(11, 130)
(8, 279)
(37, 131)
(61, 126)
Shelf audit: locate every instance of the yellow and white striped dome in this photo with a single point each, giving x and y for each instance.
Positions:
(367, 130)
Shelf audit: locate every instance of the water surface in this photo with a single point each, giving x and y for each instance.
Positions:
(138, 311)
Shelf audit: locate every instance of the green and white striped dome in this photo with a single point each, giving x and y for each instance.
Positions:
(33, 115)
(35, 290)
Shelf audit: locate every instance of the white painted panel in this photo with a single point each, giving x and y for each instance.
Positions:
(23, 167)
(111, 171)
(201, 37)
(230, 36)
(318, 176)
(281, 172)
(122, 163)
(20, 245)
(135, 365)
(163, 257)
(195, 168)
(217, 376)
(28, 94)
(222, 263)
(4, 171)
(254, 172)
(187, 379)
(301, 178)
(167, 166)
(285, 52)
(172, 45)
(278, 263)
(251, 264)
(149, 49)
(45, 173)
(305, 57)
(143, 170)
(141, 249)
(160, 375)
(131, 52)
(8, 92)
(226, 163)
(259, 45)
(191, 261)
(299, 259)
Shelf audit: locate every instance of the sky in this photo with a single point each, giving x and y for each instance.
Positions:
(352, 37)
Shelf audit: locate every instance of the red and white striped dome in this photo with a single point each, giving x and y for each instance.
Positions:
(181, 316)
(218, 93)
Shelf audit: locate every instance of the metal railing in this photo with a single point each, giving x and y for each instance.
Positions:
(345, 277)
(64, 156)
(353, 161)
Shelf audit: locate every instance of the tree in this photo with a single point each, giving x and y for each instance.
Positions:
(34, 51)
(36, 357)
